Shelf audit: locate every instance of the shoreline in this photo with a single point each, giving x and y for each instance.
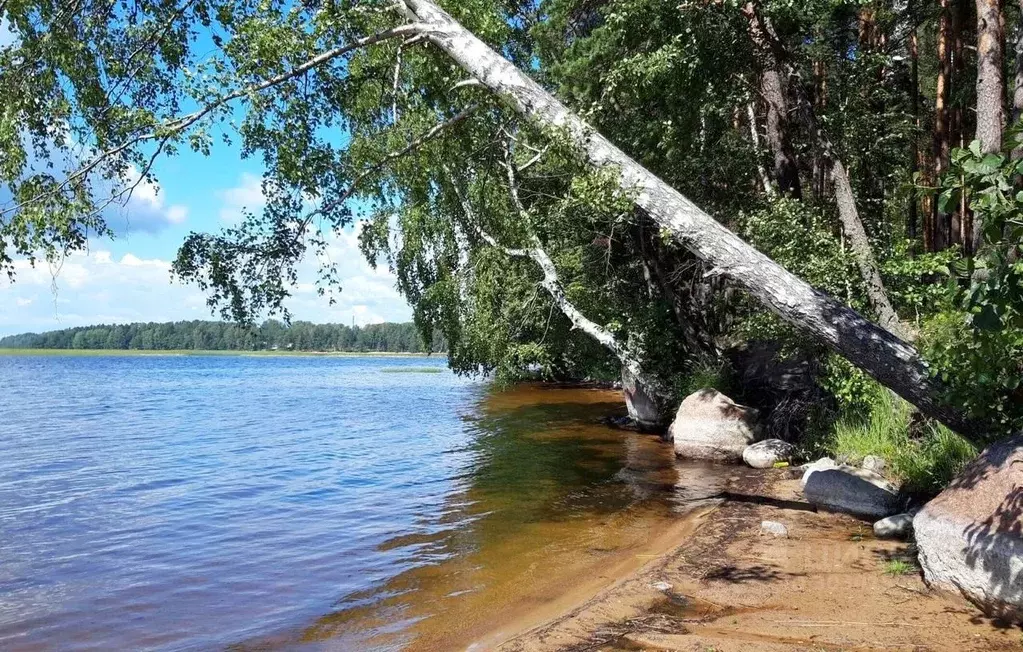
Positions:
(232, 353)
(726, 587)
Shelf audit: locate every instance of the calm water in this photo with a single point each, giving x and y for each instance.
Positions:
(302, 502)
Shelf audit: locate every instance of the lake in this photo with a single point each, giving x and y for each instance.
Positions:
(305, 502)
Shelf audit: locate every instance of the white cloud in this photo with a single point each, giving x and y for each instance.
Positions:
(145, 209)
(134, 204)
(246, 196)
(95, 288)
(177, 214)
(99, 287)
(367, 294)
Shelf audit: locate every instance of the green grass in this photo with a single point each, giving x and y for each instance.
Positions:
(413, 370)
(702, 375)
(924, 460)
(137, 352)
(898, 567)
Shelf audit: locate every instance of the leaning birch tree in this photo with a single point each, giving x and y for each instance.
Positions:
(132, 94)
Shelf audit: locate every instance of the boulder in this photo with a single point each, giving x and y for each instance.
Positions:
(711, 426)
(850, 490)
(899, 526)
(970, 538)
(774, 528)
(765, 454)
(874, 463)
(822, 463)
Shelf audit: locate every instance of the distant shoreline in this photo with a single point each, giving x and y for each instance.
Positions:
(190, 352)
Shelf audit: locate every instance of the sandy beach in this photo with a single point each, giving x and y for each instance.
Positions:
(727, 587)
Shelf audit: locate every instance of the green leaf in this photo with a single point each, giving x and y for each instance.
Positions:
(987, 319)
(948, 199)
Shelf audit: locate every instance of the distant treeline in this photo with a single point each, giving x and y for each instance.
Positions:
(224, 336)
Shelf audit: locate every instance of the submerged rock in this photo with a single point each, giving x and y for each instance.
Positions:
(774, 528)
(850, 490)
(765, 454)
(711, 426)
(899, 526)
(643, 407)
(970, 538)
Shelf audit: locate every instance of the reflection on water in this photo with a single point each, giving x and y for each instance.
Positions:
(197, 503)
(551, 496)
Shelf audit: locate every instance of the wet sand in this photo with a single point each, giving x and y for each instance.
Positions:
(732, 588)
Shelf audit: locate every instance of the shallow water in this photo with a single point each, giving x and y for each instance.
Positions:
(309, 502)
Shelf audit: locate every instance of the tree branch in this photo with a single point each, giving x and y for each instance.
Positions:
(414, 144)
(178, 125)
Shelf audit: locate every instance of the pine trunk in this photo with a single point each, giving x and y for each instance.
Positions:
(1017, 90)
(913, 219)
(990, 82)
(771, 49)
(990, 85)
(786, 172)
(941, 148)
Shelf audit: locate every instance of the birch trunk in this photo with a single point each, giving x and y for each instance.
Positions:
(644, 396)
(891, 361)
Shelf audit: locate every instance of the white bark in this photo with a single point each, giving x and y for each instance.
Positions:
(755, 136)
(884, 356)
(644, 395)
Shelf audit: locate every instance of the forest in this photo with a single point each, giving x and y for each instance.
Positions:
(816, 205)
(271, 335)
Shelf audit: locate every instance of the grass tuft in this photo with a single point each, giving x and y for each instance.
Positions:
(898, 567)
(702, 375)
(922, 458)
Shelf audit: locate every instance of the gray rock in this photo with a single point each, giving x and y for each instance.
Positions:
(850, 490)
(970, 538)
(661, 586)
(765, 454)
(899, 526)
(774, 528)
(711, 426)
(822, 463)
(874, 463)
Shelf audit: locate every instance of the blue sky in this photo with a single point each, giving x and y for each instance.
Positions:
(127, 278)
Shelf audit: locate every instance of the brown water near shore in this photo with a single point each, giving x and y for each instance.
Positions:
(559, 507)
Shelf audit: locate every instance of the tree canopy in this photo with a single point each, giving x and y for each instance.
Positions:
(833, 137)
